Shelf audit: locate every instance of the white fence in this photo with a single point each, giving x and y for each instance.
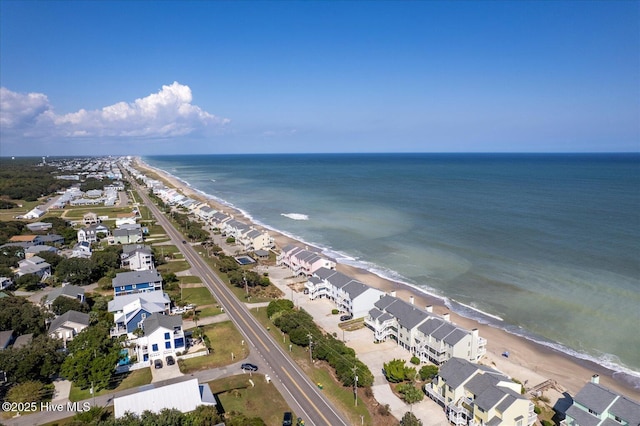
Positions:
(193, 355)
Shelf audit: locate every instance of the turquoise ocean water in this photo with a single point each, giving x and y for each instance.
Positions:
(547, 246)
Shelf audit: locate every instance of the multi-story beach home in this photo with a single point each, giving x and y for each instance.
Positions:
(426, 335)
(218, 219)
(82, 250)
(596, 405)
(127, 234)
(34, 265)
(253, 239)
(204, 212)
(302, 261)
(350, 296)
(163, 336)
(136, 282)
(136, 257)
(91, 233)
(130, 310)
(475, 395)
(90, 218)
(234, 228)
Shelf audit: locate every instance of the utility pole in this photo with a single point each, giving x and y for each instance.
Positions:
(246, 289)
(310, 348)
(355, 385)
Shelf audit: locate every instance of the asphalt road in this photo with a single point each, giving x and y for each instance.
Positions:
(303, 396)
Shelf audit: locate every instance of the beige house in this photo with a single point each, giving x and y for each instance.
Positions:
(68, 325)
(474, 395)
(90, 218)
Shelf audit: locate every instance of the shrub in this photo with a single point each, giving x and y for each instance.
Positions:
(547, 423)
(428, 372)
(335, 311)
(537, 410)
(415, 360)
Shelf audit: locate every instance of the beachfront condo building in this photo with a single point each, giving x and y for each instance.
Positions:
(430, 337)
(474, 395)
(351, 297)
(596, 405)
(302, 261)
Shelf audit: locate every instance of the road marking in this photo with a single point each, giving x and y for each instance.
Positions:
(326, 421)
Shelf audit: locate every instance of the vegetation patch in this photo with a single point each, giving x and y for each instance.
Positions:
(225, 340)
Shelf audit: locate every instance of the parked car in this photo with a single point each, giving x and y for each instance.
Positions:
(287, 420)
(249, 367)
(184, 242)
(170, 360)
(157, 363)
(346, 317)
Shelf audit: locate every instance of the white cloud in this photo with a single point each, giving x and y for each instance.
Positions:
(164, 114)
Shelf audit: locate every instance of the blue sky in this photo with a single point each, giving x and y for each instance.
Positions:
(195, 77)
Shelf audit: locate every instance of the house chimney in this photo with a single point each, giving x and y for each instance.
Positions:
(393, 293)
(429, 308)
(411, 299)
(446, 317)
(595, 379)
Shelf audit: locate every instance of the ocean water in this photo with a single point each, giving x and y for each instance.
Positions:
(547, 246)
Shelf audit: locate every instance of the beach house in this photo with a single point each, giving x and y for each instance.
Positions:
(92, 233)
(34, 265)
(130, 310)
(426, 335)
(136, 257)
(253, 239)
(302, 261)
(351, 297)
(474, 395)
(69, 291)
(163, 336)
(136, 282)
(127, 234)
(596, 405)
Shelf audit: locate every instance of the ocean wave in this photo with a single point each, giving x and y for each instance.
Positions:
(295, 216)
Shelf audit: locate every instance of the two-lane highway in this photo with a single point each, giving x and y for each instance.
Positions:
(301, 394)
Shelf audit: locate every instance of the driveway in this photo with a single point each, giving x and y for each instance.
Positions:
(166, 372)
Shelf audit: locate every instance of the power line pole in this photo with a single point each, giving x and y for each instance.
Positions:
(355, 385)
(310, 348)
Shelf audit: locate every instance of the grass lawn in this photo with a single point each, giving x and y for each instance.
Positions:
(199, 296)
(120, 382)
(209, 311)
(112, 212)
(263, 400)
(156, 230)
(177, 266)
(225, 340)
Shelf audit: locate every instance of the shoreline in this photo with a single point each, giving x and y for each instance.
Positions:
(530, 362)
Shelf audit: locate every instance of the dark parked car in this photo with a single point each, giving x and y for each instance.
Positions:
(157, 363)
(345, 317)
(184, 242)
(287, 420)
(249, 367)
(170, 360)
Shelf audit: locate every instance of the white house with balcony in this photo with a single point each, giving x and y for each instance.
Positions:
(92, 233)
(302, 261)
(475, 395)
(136, 257)
(163, 336)
(350, 296)
(426, 335)
(234, 228)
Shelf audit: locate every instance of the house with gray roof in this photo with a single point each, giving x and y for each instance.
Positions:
(6, 338)
(136, 282)
(596, 405)
(22, 341)
(430, 337)
(68, 325)
(302, 261)
(473, 394)
(130, 310)
(350, 296)
(254, 239)
(69, 290)
(34, 265)
(92, 233)
(39, 226)
(137, 257)
(163, 336)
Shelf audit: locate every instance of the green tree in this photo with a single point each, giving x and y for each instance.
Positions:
(107, 259)
(410, 393)
(38, 361)
(63, 304)
(396, 371)
(51, 258)
(31, 391)
(410, 419)
(428, 372)
(77, 271)
(92, 357)
(28, 282)
(21, 316)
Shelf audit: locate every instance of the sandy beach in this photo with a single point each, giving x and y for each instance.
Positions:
(528, 362)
